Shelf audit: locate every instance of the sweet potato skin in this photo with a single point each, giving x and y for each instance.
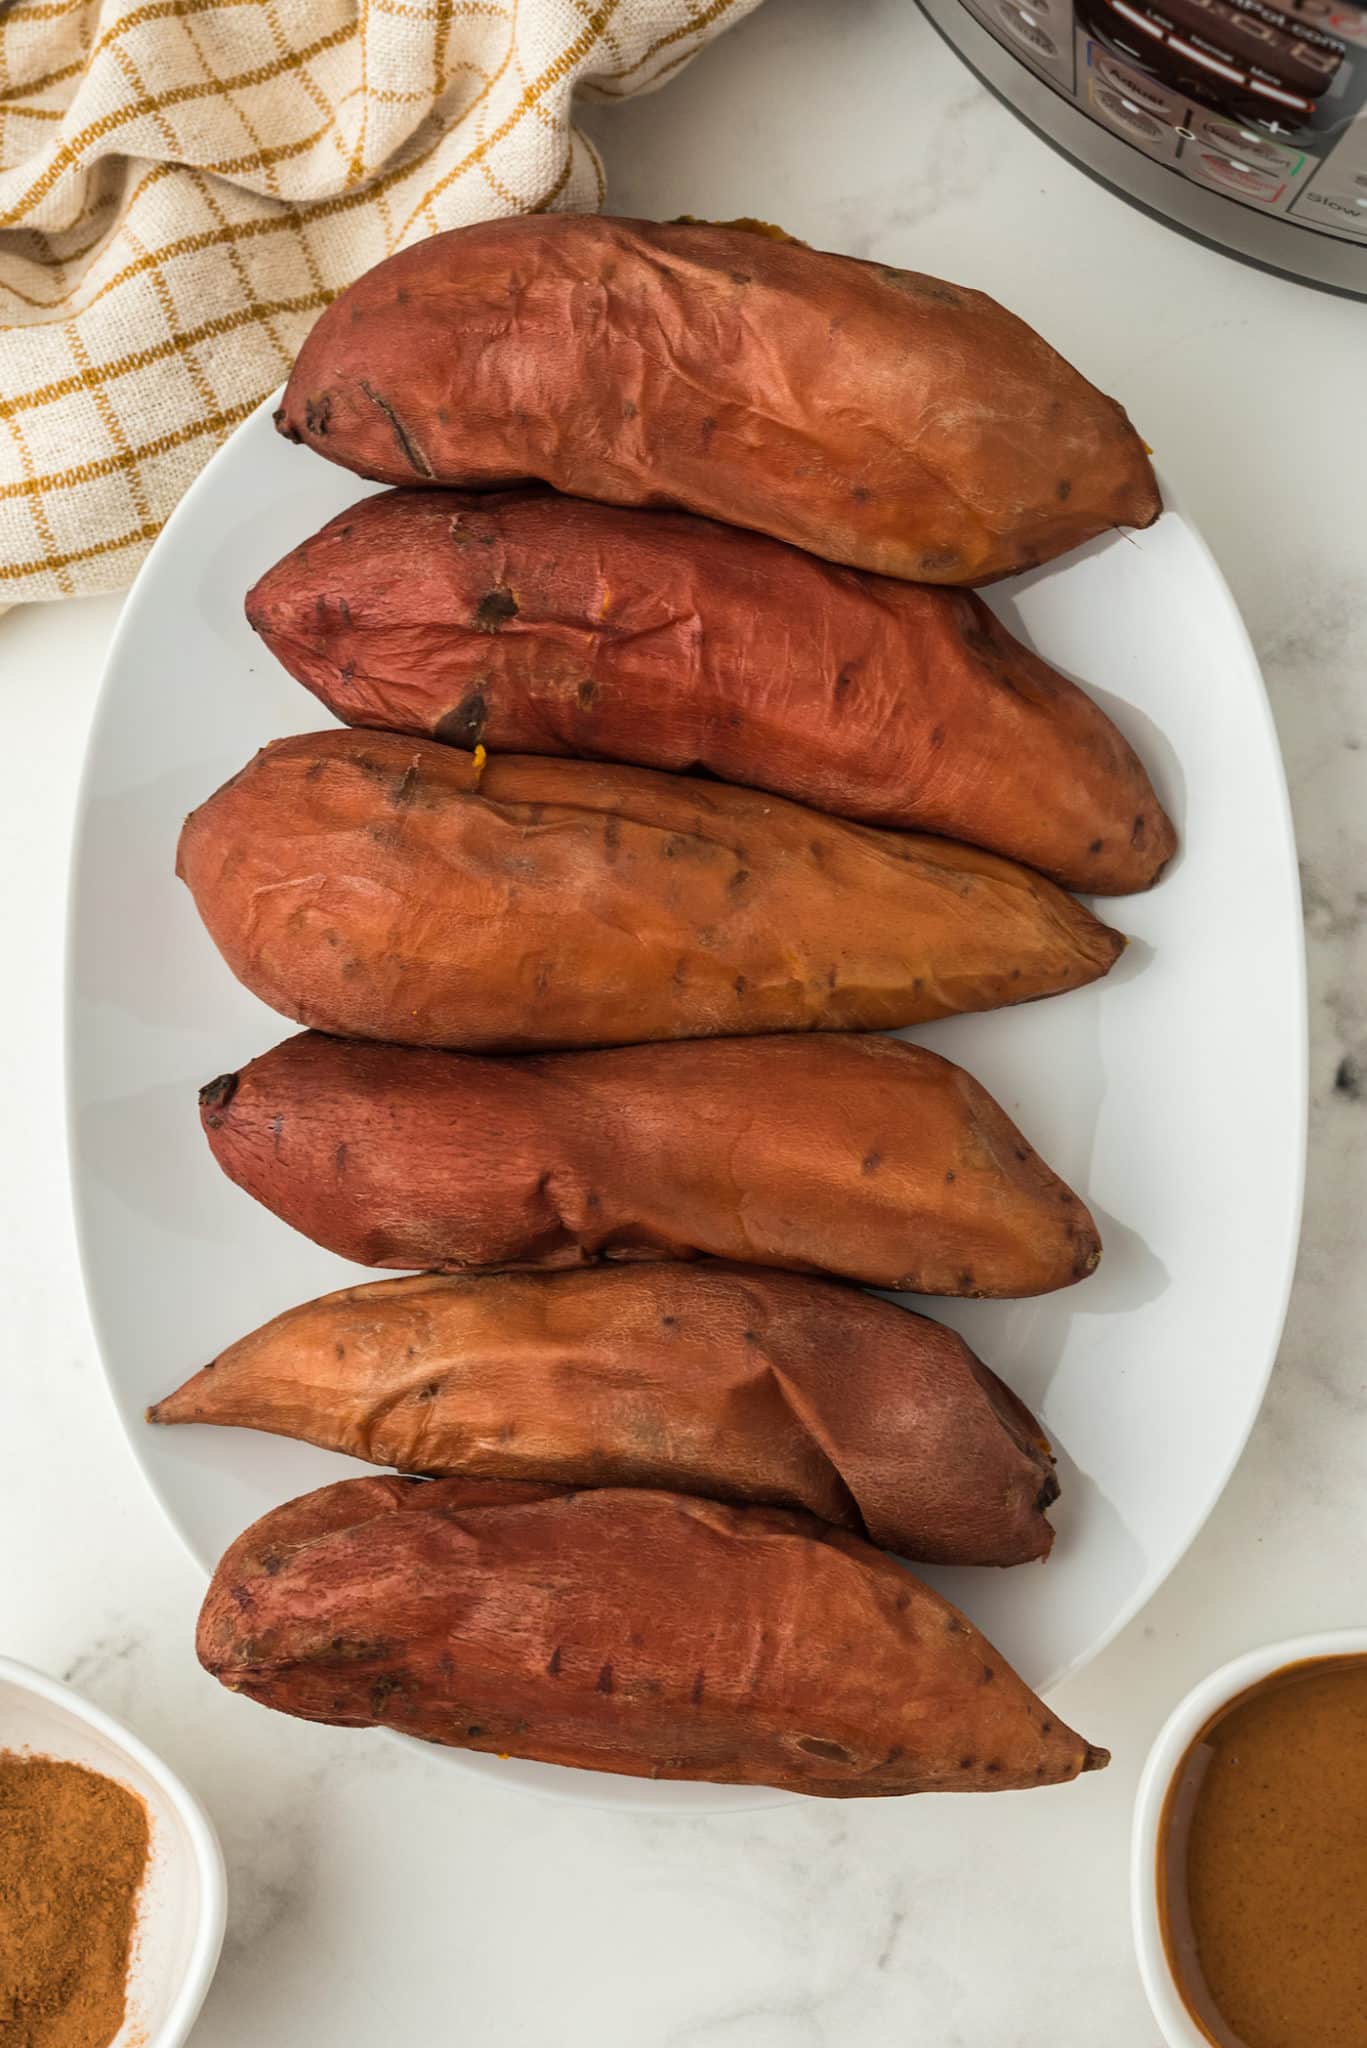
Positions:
(733, 1383)
(536, 624)
(380, 887)
(870, 415)
(862, 1157)
(645, 1633)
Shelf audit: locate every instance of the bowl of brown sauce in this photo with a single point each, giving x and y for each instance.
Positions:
(1249, 1860)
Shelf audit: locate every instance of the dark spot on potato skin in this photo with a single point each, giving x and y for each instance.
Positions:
(1063, 489)
(1139, 831)
(603, 1682)
(950, 1176)
(988, 1674)
(740, 984)
(284, 426)
(612, 837)
(993, 1768)
(586, 693)
(312, 773)
(966, 1282)
(553, 1664)
(215, 1096)
(695, 1694)
(739, 879)
(965, 1763)
(861, 494)
(429, 1392)
(668, 1322)
(495, 609)
(629, 409)
(709, 428)
(405, 787)
(462, 726)
(844, 683)
(1046, 1727)
(1095, 846)
(937, 561)
(340, 1349)
(871, 1162)
(339, 1160)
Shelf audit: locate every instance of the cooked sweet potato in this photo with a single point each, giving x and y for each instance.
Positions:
(544, 625)
(726, 1381)
(647, 1633)
(867, 414)
(864, 1157)
(379, 887)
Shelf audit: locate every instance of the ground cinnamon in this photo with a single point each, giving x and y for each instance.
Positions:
(73, 1850)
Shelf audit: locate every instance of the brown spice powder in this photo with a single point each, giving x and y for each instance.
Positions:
(73, 1851)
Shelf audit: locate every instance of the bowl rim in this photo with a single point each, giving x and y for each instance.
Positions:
(1187, 1718)
(204, 1843)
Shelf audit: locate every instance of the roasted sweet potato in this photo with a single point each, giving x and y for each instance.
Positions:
(864, 1157)
(537, 624)
(726, 1381)
(379, 887)
(867, 414)
(647, 1633)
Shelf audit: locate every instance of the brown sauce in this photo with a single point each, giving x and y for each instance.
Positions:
(1262, 1863)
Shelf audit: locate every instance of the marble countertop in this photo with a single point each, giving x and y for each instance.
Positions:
(377, 1895)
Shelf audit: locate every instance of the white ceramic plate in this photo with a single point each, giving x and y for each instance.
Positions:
(1172, 1096)
(182, 1905)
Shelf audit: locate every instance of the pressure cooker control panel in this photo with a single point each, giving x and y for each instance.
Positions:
(1266, 105)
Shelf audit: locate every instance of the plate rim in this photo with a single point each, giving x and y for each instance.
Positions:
(1294, 1168)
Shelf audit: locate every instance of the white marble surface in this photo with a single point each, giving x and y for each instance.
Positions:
(378, 1896)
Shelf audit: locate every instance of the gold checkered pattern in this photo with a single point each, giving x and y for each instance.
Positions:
(185, 183)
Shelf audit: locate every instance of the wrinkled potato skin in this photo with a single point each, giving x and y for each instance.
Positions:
(362, 883)
(646, 1633)
(870, 415)
(740, 1385)
(542, 625)
(863, 1157)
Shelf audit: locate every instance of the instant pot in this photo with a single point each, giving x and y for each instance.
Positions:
(1241, 123)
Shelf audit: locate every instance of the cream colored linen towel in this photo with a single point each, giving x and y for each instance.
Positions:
(185, 183)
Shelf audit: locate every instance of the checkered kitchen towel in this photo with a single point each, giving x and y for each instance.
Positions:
(185, 183)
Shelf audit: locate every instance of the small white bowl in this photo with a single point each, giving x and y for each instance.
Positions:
(183, 1903)
(1179, 1732)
